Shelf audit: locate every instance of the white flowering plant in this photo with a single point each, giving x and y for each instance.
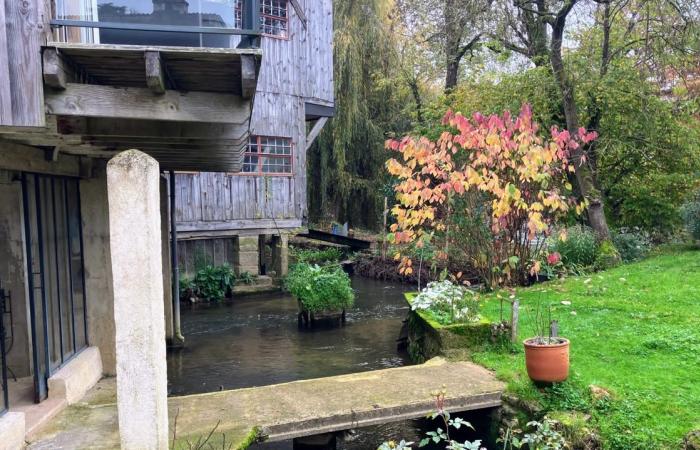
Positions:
(447, 303)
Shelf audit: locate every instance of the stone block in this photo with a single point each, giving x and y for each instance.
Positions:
(72, 381)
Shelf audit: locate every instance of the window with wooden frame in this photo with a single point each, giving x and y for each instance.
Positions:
(268, 155)
(274, 17)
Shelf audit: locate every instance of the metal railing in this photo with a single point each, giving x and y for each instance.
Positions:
(167, 16)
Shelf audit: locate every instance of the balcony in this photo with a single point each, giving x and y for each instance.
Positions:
(175, 80)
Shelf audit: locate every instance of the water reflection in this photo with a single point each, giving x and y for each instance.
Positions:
(255, 341)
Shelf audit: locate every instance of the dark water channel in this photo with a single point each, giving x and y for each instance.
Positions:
(256, 341)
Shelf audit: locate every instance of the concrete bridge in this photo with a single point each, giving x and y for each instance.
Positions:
(290, 410)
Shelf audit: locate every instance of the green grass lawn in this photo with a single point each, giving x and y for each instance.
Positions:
(635, 331)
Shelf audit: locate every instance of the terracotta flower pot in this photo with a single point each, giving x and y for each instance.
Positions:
(547, 363)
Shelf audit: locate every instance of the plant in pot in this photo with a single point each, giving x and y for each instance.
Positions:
(320, 291)
(546, 354)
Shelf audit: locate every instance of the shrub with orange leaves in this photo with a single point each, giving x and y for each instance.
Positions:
(490, 189)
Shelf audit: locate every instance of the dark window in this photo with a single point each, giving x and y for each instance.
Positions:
(268, 156)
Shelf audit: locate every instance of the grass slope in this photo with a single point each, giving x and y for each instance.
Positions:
(635, 331)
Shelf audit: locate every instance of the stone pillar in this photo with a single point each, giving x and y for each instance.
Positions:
(99, 292)
(12, 428)
(246, 255)
(280, 255)
(137, 268)
(13, 272)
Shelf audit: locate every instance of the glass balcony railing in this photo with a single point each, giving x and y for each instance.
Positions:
(190, 23)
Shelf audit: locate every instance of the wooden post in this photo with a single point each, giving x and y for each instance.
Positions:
(514, 317)
(554, 329)
(385, 213)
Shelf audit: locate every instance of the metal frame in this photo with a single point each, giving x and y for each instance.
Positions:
(3, 355)
(149, 27)
(41, 374)
(258, 145)
(249, 31)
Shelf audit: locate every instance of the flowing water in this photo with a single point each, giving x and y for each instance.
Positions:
(256, 341)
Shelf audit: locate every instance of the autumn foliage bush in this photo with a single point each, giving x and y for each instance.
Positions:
(490, 190)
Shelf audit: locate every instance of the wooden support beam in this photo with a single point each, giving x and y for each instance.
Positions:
(300, 11)
(98, 127)
(315, 131)
(155, 79)
(138, 103)
(53, 69)
(31, 159)
(248, 76)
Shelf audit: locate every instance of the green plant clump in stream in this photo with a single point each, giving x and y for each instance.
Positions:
(320, 288)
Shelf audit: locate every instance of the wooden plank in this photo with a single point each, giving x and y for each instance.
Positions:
(249, 76)
(5, 95)
(315, 131)
(193, 52)
(30, 159)
(155, 80)
(183, 228)
(24, 22)
(138, 103)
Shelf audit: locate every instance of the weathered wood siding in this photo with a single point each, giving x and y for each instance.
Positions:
(294, 71)
(24, 29)
(204, 251)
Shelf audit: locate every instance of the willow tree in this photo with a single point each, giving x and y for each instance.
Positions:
(345, 165)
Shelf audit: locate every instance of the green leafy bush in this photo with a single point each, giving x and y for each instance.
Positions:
(691, 216)
(577, 246)
(210, 283)
(320, 288)
(315, 256)
(633, 244)
(607, 256)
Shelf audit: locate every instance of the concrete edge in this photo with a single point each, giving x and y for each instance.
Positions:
(354, 419)
(72, 381)
(12, 428)
(437, 361)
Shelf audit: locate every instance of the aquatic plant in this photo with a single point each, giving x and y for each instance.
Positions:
(316, 256)
(319, 288)
(210, 283)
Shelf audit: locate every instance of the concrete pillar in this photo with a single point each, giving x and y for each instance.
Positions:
(12, 428)
(13, 273)
(99, 292)
(246, 255)
(137, 268)
(280, 255)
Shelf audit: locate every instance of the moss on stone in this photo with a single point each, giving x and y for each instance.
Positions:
(427, 338)
(250, 439)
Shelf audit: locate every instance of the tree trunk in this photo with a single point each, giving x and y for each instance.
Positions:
(584, 175)
(453, 37)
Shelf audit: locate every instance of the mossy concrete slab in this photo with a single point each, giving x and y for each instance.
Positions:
(289, 410)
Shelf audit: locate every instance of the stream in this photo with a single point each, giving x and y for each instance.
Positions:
(255, 341)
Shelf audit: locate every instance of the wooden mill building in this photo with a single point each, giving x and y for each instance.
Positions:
(123, 122)
(244, 218)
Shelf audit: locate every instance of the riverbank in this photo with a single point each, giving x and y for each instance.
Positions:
(635, 341)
